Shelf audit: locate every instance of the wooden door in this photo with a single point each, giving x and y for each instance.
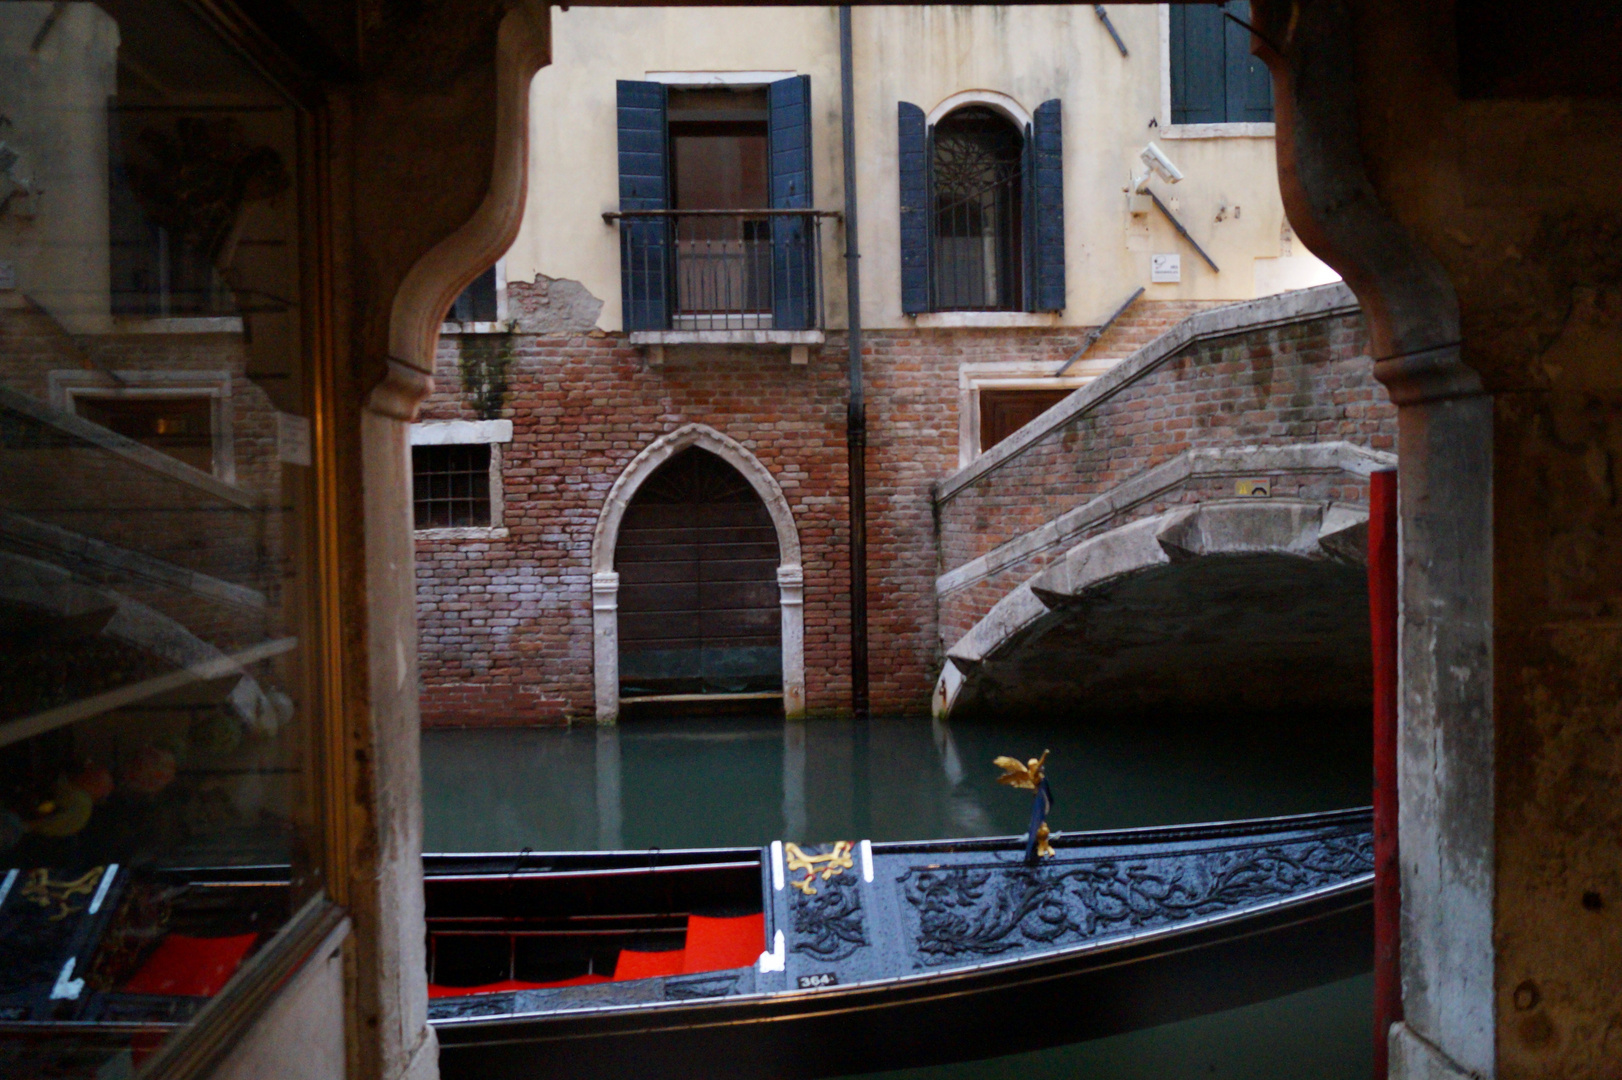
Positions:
(1003, 412)
(698, 601)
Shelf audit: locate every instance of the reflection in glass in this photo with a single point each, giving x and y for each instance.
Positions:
(154, 610)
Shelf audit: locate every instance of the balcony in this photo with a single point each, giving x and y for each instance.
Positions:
(697, 277)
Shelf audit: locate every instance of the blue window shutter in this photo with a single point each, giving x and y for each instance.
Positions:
(794, 266)
(644, 185)
(1046, 208)
(913, 137)
(1249, 83)
(1198, 64)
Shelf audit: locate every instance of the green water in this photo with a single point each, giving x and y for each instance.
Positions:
(718, 782)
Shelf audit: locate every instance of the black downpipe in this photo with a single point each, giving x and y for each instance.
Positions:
(856, 411)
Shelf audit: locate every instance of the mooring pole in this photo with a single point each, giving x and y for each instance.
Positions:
(856, 410)
(1383, 601)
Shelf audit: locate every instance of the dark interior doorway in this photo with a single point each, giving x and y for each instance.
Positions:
(698, 606)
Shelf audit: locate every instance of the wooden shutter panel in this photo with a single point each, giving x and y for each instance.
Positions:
(1249, 89)
(794, 267)
(1046, 208)
(913, 139)
(644, 185)
(1198, 64)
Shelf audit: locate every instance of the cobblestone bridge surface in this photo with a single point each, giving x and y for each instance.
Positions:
(1187, 530)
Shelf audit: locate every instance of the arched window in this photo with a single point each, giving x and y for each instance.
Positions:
(982, 206)
(978, 230)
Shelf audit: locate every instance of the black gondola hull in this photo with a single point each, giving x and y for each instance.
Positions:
(966, 1006)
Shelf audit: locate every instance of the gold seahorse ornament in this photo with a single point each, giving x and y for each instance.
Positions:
(826, 866)
(42, 890)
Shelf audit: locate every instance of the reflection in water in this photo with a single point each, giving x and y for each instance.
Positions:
(698, 783)
(719, 782)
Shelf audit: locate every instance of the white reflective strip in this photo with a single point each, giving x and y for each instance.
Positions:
(774, 960)
(101, 890)
(867, 860)
(5, 886)
(67, 988)
(777, 865)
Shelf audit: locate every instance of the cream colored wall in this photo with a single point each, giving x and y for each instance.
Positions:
(1229, 200)
(53, 231)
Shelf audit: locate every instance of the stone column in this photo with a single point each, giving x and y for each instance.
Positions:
(605, 644)
(791, 591)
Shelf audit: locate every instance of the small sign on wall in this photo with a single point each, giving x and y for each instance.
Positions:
(1255, 489)
(1165, 269)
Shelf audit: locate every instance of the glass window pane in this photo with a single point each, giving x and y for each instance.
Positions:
(156, 581)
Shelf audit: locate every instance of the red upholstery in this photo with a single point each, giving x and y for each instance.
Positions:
(645, 965)
(720, 944)
(190, 966)
(437, 991)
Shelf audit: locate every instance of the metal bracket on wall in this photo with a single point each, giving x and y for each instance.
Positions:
(1097, 332)
(1178, 225)
(1103, 17)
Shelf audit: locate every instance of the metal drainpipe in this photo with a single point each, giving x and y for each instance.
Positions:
(856, 411)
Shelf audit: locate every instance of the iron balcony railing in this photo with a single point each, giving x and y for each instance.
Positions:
(721, 269)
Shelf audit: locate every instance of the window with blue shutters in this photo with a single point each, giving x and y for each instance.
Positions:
(705, 174)
(1214, 78)
(982, 210)
(645, 265)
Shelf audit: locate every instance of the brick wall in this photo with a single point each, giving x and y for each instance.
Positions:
(1284, 371)
(168, 526)
(505, 622)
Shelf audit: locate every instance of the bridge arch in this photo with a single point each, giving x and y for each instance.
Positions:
(1176, 608)
(605, 580)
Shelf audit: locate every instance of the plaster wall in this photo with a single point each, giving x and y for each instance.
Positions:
(307, 1013)
(1112, 106)
(53, 218)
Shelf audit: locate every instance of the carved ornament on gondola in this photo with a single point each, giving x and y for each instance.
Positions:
(988, 909)
(824, 864)
(828, 923)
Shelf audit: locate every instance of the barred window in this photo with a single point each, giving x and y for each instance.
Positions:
(979, 226)
(451, 485)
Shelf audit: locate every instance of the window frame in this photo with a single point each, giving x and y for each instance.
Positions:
(322, 879)
(1168, 130)
(493, 433)
(67, 387)
(503, 321)
(994, 375)
(1017, 235)
(787, 311)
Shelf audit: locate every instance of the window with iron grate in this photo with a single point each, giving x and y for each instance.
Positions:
(450, 486)
(979, 213)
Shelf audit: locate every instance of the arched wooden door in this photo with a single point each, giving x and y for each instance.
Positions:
(698, 597)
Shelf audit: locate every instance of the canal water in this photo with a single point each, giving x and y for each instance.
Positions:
(739, 781)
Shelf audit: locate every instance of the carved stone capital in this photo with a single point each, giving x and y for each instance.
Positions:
(403, 390)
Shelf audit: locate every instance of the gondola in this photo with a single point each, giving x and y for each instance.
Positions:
(853, 957)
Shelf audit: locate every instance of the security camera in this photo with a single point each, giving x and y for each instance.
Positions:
(1157, 162)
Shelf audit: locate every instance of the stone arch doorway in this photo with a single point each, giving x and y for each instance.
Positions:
(697, 560)
(697, 586)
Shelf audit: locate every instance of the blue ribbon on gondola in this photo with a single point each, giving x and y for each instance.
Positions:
(1040, 806)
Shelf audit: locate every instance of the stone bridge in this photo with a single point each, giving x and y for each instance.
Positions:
(1187, 531)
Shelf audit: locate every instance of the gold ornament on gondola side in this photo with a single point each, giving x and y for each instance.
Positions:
(826, 866)
(1031, 776)
(42, 890)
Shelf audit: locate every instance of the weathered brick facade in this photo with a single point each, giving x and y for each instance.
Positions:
(505, 618)
(1283, 372)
